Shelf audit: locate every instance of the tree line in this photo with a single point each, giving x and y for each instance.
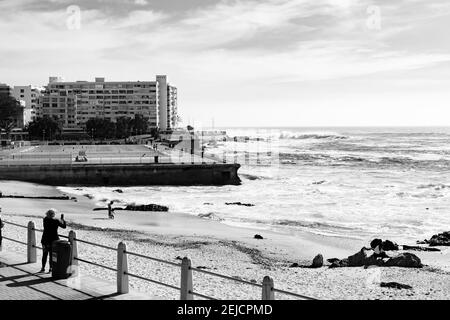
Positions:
(47, 128)
(95, 128)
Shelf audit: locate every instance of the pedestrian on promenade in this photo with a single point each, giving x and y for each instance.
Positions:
(49, 235)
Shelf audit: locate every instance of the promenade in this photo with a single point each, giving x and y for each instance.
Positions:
(22, 281)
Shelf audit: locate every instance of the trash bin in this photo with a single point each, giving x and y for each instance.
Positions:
(61, 256)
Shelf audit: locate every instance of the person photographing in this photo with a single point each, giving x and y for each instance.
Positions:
(50, 234)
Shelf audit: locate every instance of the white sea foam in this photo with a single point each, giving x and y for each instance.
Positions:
(372, 187)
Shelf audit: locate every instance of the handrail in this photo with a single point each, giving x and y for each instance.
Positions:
(202, 295)
(294, 294)
(95, 264)
(151, 280)
(14, 240)
(226, 277)
(95, 244)
(15, 224)
(125, 272)
(154, 259)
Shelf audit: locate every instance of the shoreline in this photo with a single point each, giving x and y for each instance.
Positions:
(209, 243)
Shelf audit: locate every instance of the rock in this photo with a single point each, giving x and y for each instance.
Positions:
(333, 260)
(257, 236)
(207, 204)
(375, 243)
(317, 261)
(319, 182)
(294, 265)
(179, 258)
(405, 260)
(417, 248)
(118, 190)
(147, 207)
(389, 246)
(358, 259)
(441, 239)
(239, 204)
(340, 263)
(394, 285)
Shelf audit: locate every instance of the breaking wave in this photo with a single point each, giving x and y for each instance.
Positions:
(304, 136)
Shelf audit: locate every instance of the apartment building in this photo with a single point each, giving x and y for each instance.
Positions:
(74, 103)
(5, 89)
(29, 98)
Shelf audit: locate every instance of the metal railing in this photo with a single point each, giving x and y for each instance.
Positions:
(186, 287)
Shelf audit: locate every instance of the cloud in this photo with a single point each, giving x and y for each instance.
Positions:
(223, 45)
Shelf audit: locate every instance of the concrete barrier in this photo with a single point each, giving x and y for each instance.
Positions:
(124, 174)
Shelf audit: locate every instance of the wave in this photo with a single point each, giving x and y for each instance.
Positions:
(250, 176)
(438, 186)
(372, 161)
(311, 225)
(304, 136)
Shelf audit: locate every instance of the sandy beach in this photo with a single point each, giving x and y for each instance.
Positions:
(211, 244)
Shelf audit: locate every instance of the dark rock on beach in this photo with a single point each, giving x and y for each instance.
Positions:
(405, 260)
(317, 261)
(366, 257)
(339, 263)
(418, 248)
(441, 239)
(118, 190)
(239, 204)
(294, 265)
(147, 207)
(386, 245)
(394, 285)
(257, 236)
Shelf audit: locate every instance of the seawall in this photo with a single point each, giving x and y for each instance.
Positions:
(124, 174)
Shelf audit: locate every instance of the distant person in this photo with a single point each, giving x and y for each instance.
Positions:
(110, 210)
(50, 235)
(1, 227)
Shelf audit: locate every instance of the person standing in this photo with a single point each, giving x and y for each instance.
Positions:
(49, 235)
(1, 227)
(110, 210)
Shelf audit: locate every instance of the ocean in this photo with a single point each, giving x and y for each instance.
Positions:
(341, 182)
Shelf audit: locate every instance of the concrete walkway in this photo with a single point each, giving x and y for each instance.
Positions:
(22, 281)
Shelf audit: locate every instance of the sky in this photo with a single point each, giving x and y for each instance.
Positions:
(247, 62)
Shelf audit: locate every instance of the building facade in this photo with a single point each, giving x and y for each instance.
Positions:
(29, 99)
(74, 103)
(5, 89)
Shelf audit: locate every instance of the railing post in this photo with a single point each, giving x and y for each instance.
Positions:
(122, 269)
(186, 287)
(267, 290)
(74, 253)
(31, 243)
